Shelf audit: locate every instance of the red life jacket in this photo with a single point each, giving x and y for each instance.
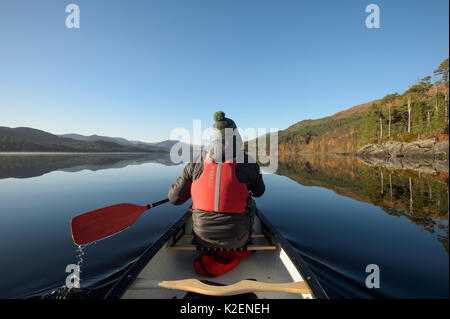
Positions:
(219, 264)
(218, 189)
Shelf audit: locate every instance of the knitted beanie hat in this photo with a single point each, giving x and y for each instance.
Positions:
(222, 122)
(223, 147)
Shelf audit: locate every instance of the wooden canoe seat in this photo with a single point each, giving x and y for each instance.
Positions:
(186, 242)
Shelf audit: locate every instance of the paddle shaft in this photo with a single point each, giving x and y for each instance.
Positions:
(241, 287)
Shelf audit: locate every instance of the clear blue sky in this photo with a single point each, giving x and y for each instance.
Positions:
(137, 69)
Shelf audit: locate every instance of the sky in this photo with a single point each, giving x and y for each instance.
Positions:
(138, 69)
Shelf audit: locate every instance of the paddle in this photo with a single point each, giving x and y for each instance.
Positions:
(107, 221)
(241, 287)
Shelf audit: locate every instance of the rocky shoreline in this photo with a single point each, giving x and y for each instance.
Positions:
(427, 156)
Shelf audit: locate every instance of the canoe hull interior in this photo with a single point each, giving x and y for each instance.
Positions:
(172, 256)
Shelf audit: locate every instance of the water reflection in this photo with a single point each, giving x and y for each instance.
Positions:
(420, 197)
(338, 237)
(25, 166)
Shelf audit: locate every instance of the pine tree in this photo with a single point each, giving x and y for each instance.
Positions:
(442, 75)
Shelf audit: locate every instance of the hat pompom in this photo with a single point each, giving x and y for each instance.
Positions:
(219, 116)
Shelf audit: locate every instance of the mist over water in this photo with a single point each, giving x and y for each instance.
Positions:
(340, 214)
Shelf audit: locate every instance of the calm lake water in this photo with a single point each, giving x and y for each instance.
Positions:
(341, 215)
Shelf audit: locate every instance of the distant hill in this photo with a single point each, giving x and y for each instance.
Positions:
(25, 139)
(118, 140)
(164, 145)
(167, 144)
(338, 133)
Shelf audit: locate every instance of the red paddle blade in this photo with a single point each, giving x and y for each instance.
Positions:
(104, 222)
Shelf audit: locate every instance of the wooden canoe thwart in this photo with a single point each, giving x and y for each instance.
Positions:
(274, 271)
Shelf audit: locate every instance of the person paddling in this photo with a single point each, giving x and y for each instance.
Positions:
(219, 181)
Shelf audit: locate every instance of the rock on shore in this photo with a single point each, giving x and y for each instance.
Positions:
(426, 156)
(428, 150)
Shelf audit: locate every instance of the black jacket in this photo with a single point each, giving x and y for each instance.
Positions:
(220, 230)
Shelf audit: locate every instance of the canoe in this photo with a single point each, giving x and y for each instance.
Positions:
(274, 271)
